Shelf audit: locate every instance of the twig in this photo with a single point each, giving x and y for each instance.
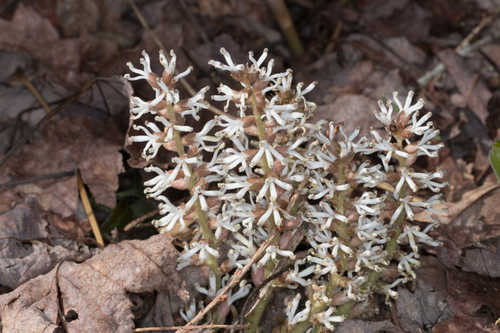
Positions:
(44, 120)
(234, 281)
(194, 327)
(34, 91)
(282, 15)
(89, 211)
(334, 38)
(140, 219)
(56, 175)
(462, 49)
(483, 23)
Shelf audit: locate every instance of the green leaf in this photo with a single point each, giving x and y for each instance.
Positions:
(495, 158)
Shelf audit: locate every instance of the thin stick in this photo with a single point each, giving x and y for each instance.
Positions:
(89, 211)
(462, 49)
(44, 120)
(194, 327)
(483, 23)
(34, 91)
(158, 42)
(140, 219)
(234, 281)
(282, 15)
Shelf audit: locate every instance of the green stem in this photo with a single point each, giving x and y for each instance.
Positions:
(202, 217)
(392, 246)
(317, 307)
(333, 282)
(254, 318)
(345, 309)
(340, 194)
(261, 130)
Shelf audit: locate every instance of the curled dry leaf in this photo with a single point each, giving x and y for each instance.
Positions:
(95, 291)
(449, 211)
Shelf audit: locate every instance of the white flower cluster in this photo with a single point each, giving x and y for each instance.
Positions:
(270, 171)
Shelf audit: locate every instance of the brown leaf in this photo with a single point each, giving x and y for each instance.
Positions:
(360, 326)
(79, 141)
(402, 47)
(161, 312)
(485, 261)
(443, 297)
(452, 210)
(76, 17)
(469, 292)
(11, 62)
(95, 290)
(459, 324)
(351, 109)
(26, 247)
(470, 85)
(493, 52)
(427, 304)
(473, 220)
(30, 32)
(397, 18)
(214, 8)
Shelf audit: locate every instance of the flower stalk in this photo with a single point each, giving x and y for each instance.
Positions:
(272, 177)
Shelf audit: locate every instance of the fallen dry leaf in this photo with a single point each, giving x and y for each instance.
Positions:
(95, 293)
(360, 326)
(351, 109)
(493, 52)
(471, 221)
(445, 296)
(160, 313)
(397, 18)
(214, 8)
(471, 294)
(475, 223)
(484, 261)
(449, 211)
(470, 85)
(28, 31)
(427, 304)
(86, 141)
(28, 249)
(459, 324)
